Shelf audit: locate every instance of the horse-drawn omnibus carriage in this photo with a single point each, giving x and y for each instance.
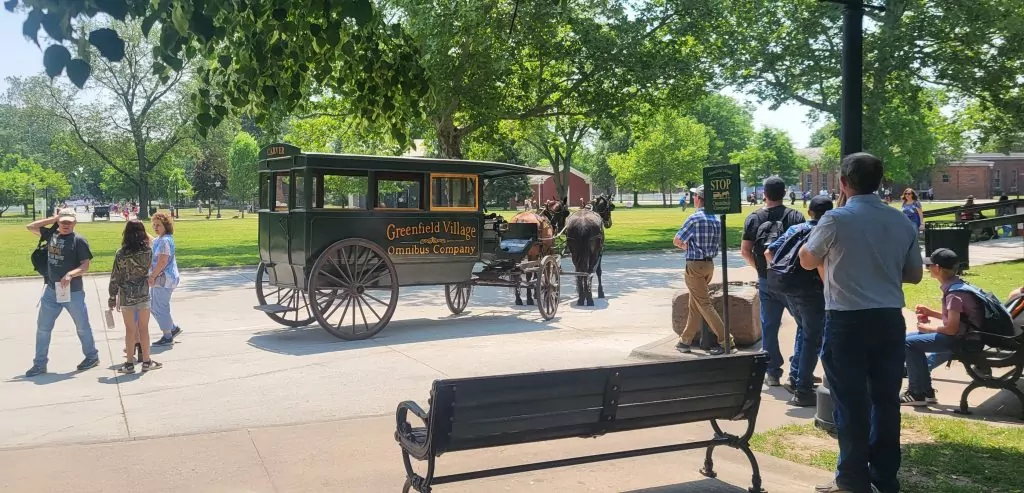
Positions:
(339, 235)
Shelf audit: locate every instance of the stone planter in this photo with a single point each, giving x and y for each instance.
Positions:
(744, 310)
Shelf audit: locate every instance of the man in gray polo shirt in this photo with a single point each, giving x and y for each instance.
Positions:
(868, 250)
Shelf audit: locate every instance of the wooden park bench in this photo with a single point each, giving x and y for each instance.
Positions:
(495, 411)
(992, 361)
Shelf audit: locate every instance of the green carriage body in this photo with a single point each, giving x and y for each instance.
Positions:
(425, 215)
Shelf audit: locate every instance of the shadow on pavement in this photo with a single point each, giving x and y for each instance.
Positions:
(46, 378)
(701, 486)
(314, 340)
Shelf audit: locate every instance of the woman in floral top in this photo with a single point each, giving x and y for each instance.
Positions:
(163, 277)
(129, 293)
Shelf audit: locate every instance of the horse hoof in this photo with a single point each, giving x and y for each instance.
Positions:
(579, 303)
(590, 302)
(519, 302)
(600, 295)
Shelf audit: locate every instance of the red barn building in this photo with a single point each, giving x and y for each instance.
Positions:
(579, 188)
(980, 175)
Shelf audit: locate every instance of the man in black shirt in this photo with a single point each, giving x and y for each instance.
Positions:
(760, 229)
(68, 257)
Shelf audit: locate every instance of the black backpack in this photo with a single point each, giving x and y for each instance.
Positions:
(996, 321)
(785, 274)
(767, 232)
(39, 255)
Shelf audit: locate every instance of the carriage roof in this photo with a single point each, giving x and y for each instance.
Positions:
(279, 157)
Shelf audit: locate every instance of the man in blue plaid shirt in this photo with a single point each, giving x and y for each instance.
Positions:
(700, 237)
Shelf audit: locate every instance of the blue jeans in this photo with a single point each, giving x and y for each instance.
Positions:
(936, 360)
(160, 307)
(919, 375)
(49, 310)
(809, 311)
(863, 354)
(772, 305)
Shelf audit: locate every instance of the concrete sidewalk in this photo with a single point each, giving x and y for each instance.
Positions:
(360, 455)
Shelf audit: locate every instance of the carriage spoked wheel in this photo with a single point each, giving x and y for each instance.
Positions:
(293, 298)
(457, 296)
(548, 286)
(354, 289)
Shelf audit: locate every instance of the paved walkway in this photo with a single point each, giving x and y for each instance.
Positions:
(243, 404)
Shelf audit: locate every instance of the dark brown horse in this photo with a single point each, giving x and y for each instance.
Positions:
(545, 233)
(584, 236)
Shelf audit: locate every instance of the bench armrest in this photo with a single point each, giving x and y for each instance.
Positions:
(404, 408)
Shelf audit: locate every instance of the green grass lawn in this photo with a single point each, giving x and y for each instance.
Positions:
(999, 278)
(201, 243)
(228, 242)
(940, 455)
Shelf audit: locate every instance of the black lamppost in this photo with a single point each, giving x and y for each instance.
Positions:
(34, 202)
(851, 132)
(217, 185)
(851, 126)
(177, 203)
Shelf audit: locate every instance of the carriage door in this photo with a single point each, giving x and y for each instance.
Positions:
(279, 227)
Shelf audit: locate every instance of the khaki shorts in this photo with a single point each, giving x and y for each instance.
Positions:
(138, 306)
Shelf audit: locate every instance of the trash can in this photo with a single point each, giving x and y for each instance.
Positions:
(955, 236)
(823, 418)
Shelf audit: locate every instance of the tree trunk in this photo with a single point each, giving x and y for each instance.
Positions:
(636, 200)
(143, 198)
(449, 139)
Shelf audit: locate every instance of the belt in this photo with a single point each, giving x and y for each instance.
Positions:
(705, 259)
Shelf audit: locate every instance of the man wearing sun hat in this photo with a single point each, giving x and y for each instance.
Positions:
(68, 257)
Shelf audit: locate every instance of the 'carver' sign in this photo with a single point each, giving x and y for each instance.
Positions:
(456, 238)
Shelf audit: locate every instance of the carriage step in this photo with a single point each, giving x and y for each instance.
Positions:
(274, 308)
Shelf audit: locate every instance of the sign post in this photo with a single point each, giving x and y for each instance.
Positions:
(722, 196)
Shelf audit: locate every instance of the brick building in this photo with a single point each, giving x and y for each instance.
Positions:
(814, 179)
(981, 175)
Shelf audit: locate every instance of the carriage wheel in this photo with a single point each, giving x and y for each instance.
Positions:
(457, 296)
(549, 286)
(354, 289)
(294, 298)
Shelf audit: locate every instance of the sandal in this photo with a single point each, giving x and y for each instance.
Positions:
(151, 365)
(127, 368)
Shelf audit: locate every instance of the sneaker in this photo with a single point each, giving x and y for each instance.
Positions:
(718, 350)
(175, 331)
(772, 381)
(683, 347)
(164, 341)
(35, 371)
(910, 399)
(929, 397)
(88, 363)
(803, 399)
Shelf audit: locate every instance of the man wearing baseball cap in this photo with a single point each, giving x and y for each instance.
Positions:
(807, 304)
(938, 338)
(68, 258)
(700, 237)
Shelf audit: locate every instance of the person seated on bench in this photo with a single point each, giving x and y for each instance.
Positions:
(929, 338)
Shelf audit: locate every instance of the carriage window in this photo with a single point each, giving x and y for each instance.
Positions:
(399, 191)
(281, 191)
(453, 191)
(342, 191)
(264, 186)
(300, 193)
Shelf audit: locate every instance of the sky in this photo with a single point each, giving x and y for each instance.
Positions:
(21, 58)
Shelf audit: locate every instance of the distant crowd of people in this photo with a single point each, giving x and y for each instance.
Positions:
(142, 280)
(843, 288)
